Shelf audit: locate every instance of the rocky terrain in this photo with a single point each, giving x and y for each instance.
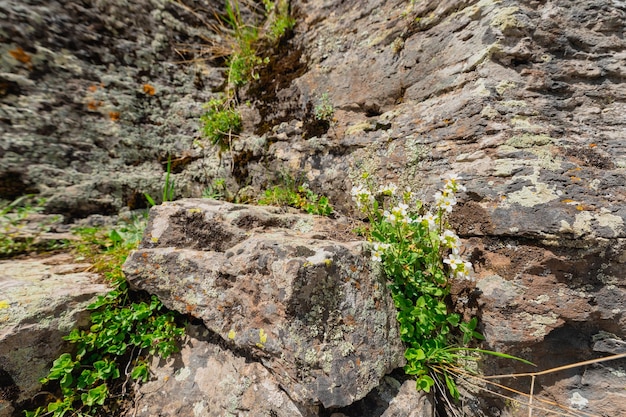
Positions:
(524, 99)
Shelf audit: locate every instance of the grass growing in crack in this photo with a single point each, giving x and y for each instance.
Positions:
(242, 45)
(126, 328)
(221, 122)
(298, 195)
(168, 187)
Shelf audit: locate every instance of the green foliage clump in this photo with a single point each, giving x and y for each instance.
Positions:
(324, 109)
(296, 195)
(420, 255)
(125, 329)
(220, 122)
(280, 21)
(216, 190)
(18, 233)
(244, 41)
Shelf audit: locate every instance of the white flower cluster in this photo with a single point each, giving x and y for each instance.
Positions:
(362, 196)
(378, 250)
(458, 268)
(445, 199)
(398, 214)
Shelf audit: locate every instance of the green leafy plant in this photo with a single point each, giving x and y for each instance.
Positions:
(168, 187)
(216, 190)
(125, 329)
(242, 44)
(420, 255)
(296, 195)
(280, 21)
(324, 109)
(221, 122)
(243, 62)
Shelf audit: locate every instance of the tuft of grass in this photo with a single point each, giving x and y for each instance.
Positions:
(296, 195)
(216, 190)
(243, 41)
(168, 187)
(221, 122)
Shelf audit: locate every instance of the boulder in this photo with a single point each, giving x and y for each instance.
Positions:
(208, 379)
(293, 291)
(41, 300)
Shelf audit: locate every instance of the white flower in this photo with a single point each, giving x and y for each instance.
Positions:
(465, 272)
(452, 183)
(361, 196)
(430, 220)
(378, 249)
(452, 177)
(450, 240)
(388, 189)
(390, 217)
(454, 262)
(446, 203)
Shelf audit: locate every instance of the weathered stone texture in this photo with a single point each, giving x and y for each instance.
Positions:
(205, 379)
(94, 98)
(42, 300)
(278, 287)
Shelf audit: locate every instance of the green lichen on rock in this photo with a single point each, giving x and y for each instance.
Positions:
(528, 140)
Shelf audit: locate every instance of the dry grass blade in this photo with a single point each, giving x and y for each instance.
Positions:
(533, 403)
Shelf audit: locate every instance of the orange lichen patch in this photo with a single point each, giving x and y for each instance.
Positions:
(567, 201)
(93, 105)
(575, 178)
(114, 116)
(93, 88)
(148, 89)
(592, 145)
(580, 207)
(349, 320)
(21, 56)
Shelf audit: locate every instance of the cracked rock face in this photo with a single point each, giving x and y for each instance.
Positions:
(42, 300)
(277, 287)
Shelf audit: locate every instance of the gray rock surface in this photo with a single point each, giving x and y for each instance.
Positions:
(278, 286)
(94, 98)
(41, 300)
(205, 379)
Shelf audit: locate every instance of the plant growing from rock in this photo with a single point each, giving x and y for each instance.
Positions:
(168, 187)
(420, 255)
(125, 329)
(221, 122)
(296, 195)
(324, 109)
(242, 41)
(216, 190)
